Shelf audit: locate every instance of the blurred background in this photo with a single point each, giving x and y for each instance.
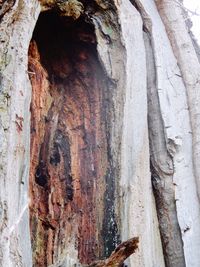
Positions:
(193, 7)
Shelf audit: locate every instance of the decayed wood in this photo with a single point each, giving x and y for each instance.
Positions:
(119, 255)
(118, 54)
(69, 160)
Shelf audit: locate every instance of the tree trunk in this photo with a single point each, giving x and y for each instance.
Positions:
(99, 134)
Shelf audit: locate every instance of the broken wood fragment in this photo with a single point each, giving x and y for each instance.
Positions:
(119, 255)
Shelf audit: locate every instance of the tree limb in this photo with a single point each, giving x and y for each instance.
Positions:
(119, 255)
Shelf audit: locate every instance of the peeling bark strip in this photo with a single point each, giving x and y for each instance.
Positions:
(69, 146)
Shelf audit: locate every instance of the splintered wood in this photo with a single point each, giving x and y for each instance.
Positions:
(119, 255)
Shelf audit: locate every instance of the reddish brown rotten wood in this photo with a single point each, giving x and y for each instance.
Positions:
(69, 144)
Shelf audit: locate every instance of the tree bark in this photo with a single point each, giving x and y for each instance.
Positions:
(99, 136)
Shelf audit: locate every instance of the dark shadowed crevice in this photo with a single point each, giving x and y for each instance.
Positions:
(71, 181)
(110, 230)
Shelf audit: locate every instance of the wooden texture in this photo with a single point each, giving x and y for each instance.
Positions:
(69, 142)
(114, 93)
(119, 255)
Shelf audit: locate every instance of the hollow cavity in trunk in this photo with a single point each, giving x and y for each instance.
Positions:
(72, 205)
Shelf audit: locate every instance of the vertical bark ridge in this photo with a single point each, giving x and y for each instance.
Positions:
(173, 17)
(137, 204)
(162, 165)
(162, 170)
(16, 26)
(182, 47)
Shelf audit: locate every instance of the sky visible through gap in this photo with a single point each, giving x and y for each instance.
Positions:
(194, 6)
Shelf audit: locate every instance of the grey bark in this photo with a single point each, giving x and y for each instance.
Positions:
(154, 71)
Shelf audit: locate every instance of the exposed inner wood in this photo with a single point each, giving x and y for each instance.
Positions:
(69, 144)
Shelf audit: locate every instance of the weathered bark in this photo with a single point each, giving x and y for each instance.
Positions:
(184, 50)
(16, 31)
(98, 102)
(173, 17)
(162, 171)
